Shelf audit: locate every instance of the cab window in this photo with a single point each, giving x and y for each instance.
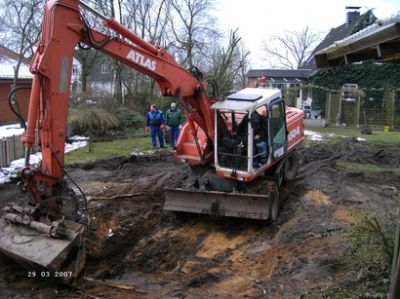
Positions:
(278, 124)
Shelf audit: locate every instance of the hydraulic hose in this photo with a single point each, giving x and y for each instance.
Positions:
(10, 104)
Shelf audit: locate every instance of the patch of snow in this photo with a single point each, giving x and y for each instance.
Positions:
(11, 171)
(7, 65)
(146, 153)
(11, 130)
(315, 136)
(335, 135)
(6, 173)
(69, 147)
(78, 138)
(360, 139)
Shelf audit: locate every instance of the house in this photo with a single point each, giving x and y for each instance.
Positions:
(354, 21)
(379, 41)
(101, 78)
(282, 79)
(8, 60)
(95, 72)
(285, 79)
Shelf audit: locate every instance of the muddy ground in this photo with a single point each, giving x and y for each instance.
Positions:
(137, 250)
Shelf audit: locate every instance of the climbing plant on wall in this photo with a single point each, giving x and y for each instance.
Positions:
(368, 76)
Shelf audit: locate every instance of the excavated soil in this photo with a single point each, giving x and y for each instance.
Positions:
(137, 250)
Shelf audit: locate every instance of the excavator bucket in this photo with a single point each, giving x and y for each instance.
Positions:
(252, 206)
(41, 247)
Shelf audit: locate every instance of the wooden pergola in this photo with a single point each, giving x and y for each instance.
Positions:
(381, 43)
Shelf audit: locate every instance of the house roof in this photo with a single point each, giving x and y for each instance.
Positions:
(8, 60)
(334, 34)
(380, 41)
(281, 76)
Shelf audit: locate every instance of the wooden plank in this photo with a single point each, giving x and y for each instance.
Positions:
(2, 154)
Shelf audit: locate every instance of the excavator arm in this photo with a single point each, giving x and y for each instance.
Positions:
(64, 26)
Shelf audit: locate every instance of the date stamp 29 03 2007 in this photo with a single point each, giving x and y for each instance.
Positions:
(49, 274)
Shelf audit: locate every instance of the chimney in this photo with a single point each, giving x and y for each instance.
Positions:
(352, 14)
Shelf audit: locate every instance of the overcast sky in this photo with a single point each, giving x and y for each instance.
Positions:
(258, 19)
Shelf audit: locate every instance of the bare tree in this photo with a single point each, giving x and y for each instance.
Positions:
(194, 30)
(292, 49)
(241, 77)
(149, 19)
(108, 8)
(21, 25)
(20, 22)
(228, 64)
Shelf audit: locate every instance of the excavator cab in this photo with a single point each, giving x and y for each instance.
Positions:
(250, 132)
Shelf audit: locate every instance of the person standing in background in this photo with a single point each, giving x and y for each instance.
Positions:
(155, 121)
(174, 120)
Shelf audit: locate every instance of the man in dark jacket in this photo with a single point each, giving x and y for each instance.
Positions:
(155, 121)
(174, 120)
(259, 125)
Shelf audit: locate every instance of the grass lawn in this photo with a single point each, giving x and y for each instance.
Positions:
(362, 167)
(123, 147)
(116, 148)
(336, 133)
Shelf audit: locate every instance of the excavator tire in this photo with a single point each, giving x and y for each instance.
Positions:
(291, 166)
(274, 207)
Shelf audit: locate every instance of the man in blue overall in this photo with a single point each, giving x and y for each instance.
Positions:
(155, 120)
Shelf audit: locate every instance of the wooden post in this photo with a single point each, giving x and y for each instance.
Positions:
(393, 107)
(358, 111)
(328, 108)
(339, 116)
(395, 274)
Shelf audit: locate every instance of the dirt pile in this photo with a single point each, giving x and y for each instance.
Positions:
(137, 250)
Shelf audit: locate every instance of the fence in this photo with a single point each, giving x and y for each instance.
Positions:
(370, 107)
(12, 148)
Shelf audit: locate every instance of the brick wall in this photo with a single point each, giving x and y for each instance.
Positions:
(6, 115)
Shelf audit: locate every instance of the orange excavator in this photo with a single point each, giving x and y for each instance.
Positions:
(249, 134)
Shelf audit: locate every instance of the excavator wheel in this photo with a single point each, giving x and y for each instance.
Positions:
(273, 194)
(291, 166)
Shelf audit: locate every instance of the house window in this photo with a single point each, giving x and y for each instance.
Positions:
(75, 69)
(105, 68)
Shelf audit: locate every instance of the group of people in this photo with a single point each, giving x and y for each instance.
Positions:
(157, 121)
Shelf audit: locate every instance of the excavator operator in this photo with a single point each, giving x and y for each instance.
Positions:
(259, 124)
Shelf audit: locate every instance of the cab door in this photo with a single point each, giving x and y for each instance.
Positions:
(277, 128)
